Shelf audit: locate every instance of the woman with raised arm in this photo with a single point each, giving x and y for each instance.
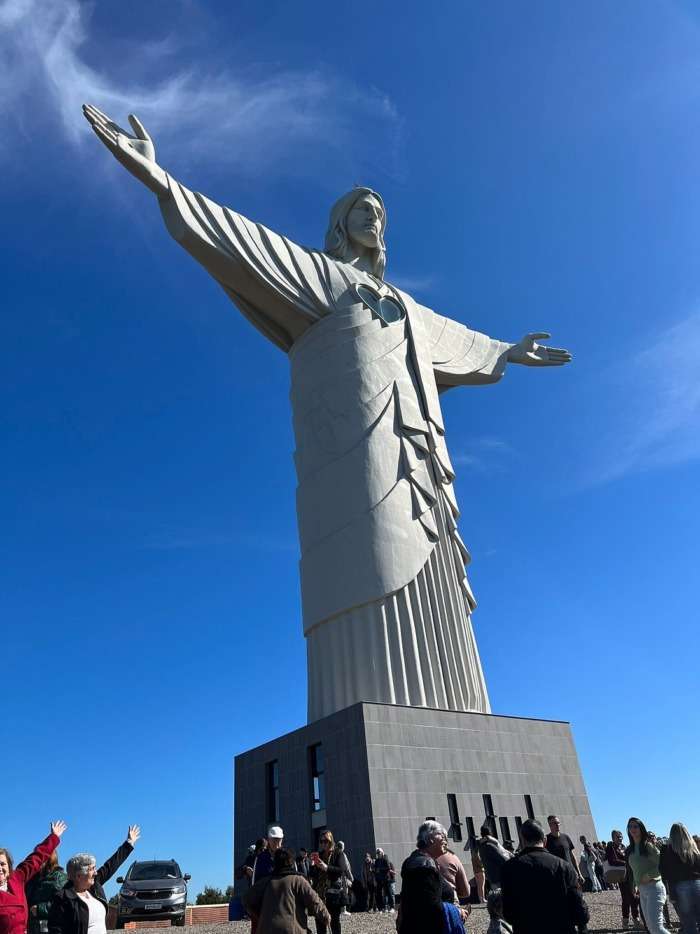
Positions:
(83, 904)
(13, 900)
(386, 602)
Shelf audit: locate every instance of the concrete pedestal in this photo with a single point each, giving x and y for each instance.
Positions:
(385, 768)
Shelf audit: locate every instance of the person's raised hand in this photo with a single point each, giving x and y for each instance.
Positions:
(59, 827)
(133, 834)
(528, 352)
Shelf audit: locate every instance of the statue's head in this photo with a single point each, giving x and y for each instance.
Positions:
(356, 226)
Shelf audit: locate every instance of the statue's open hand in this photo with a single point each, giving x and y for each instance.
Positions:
(136, 152)
(114, 137)
(528, 352)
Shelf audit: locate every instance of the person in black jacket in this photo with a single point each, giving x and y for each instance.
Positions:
(679, 865)
(423, 889)
(540, 891)
(82, 903)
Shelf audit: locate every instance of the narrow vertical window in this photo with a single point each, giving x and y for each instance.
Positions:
(272, 787)
(505, 828)
(455, 830)
(318, 777)
(518, 825)
(529, 808)
(471, 832)
(490, 818)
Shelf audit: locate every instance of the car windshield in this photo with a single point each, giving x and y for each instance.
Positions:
(141, 871)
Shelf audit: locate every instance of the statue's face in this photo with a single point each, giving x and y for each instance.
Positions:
(364, 222)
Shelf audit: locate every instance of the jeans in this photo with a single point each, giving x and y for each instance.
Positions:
(652, 897)
(385, 895)
(687, 903)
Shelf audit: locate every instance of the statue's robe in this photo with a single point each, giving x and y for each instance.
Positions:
(386, 602)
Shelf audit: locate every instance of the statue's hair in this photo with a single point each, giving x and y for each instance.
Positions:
(337, 242)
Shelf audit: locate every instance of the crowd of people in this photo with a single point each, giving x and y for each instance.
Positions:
(38, 896)
(536, 888)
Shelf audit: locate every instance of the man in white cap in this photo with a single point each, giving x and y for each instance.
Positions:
(263, 864)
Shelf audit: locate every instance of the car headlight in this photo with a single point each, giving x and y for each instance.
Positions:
(179, 889)
(127, 892)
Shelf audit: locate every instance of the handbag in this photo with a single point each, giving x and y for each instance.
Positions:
(614, 874)
(335, 898)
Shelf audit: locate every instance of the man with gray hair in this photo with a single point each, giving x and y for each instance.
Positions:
(423, 890)
(82, 904)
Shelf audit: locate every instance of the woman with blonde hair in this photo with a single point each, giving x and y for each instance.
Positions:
(680, 866)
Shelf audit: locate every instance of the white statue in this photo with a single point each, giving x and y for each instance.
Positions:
(386, 603)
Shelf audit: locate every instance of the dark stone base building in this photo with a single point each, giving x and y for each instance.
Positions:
(372, 772)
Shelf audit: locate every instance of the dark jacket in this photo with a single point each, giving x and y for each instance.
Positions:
(541, 894)
(68, 913)
(422, 893)
(673, 869)
(13, 902)
(40, 893)
(615, 854)
(280, 903)
(383, 869)
(493, 858)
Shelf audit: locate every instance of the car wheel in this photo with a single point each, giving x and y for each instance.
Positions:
(180, 922)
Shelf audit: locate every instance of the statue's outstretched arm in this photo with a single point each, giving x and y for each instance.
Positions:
(136, 153)
(462, 356)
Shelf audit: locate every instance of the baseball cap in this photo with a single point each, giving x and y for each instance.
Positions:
(275, 833)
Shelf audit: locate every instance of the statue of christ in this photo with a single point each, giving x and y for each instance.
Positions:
(385, 598)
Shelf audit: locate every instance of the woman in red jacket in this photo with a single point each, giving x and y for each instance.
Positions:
(13, 901)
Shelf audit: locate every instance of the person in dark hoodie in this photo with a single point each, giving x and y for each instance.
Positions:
(540, 891)
(427, 900)
(82, 903)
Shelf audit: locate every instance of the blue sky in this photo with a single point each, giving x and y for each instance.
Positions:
(541, 168)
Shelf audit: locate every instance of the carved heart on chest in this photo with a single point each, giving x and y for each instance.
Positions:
(384, 307)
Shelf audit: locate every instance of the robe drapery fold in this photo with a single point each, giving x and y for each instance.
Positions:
(385, 598)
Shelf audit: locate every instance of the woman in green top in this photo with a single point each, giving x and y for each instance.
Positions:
(643, 858)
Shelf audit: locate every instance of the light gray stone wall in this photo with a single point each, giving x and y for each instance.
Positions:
(416, 757)
(390, 767)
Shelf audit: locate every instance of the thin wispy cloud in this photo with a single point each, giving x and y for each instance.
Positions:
(652, 416)
(412, 284)
(484, 455)
(47, 53)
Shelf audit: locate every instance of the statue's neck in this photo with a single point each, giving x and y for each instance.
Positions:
(363, 261)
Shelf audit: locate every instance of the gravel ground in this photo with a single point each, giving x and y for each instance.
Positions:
(604, 908)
